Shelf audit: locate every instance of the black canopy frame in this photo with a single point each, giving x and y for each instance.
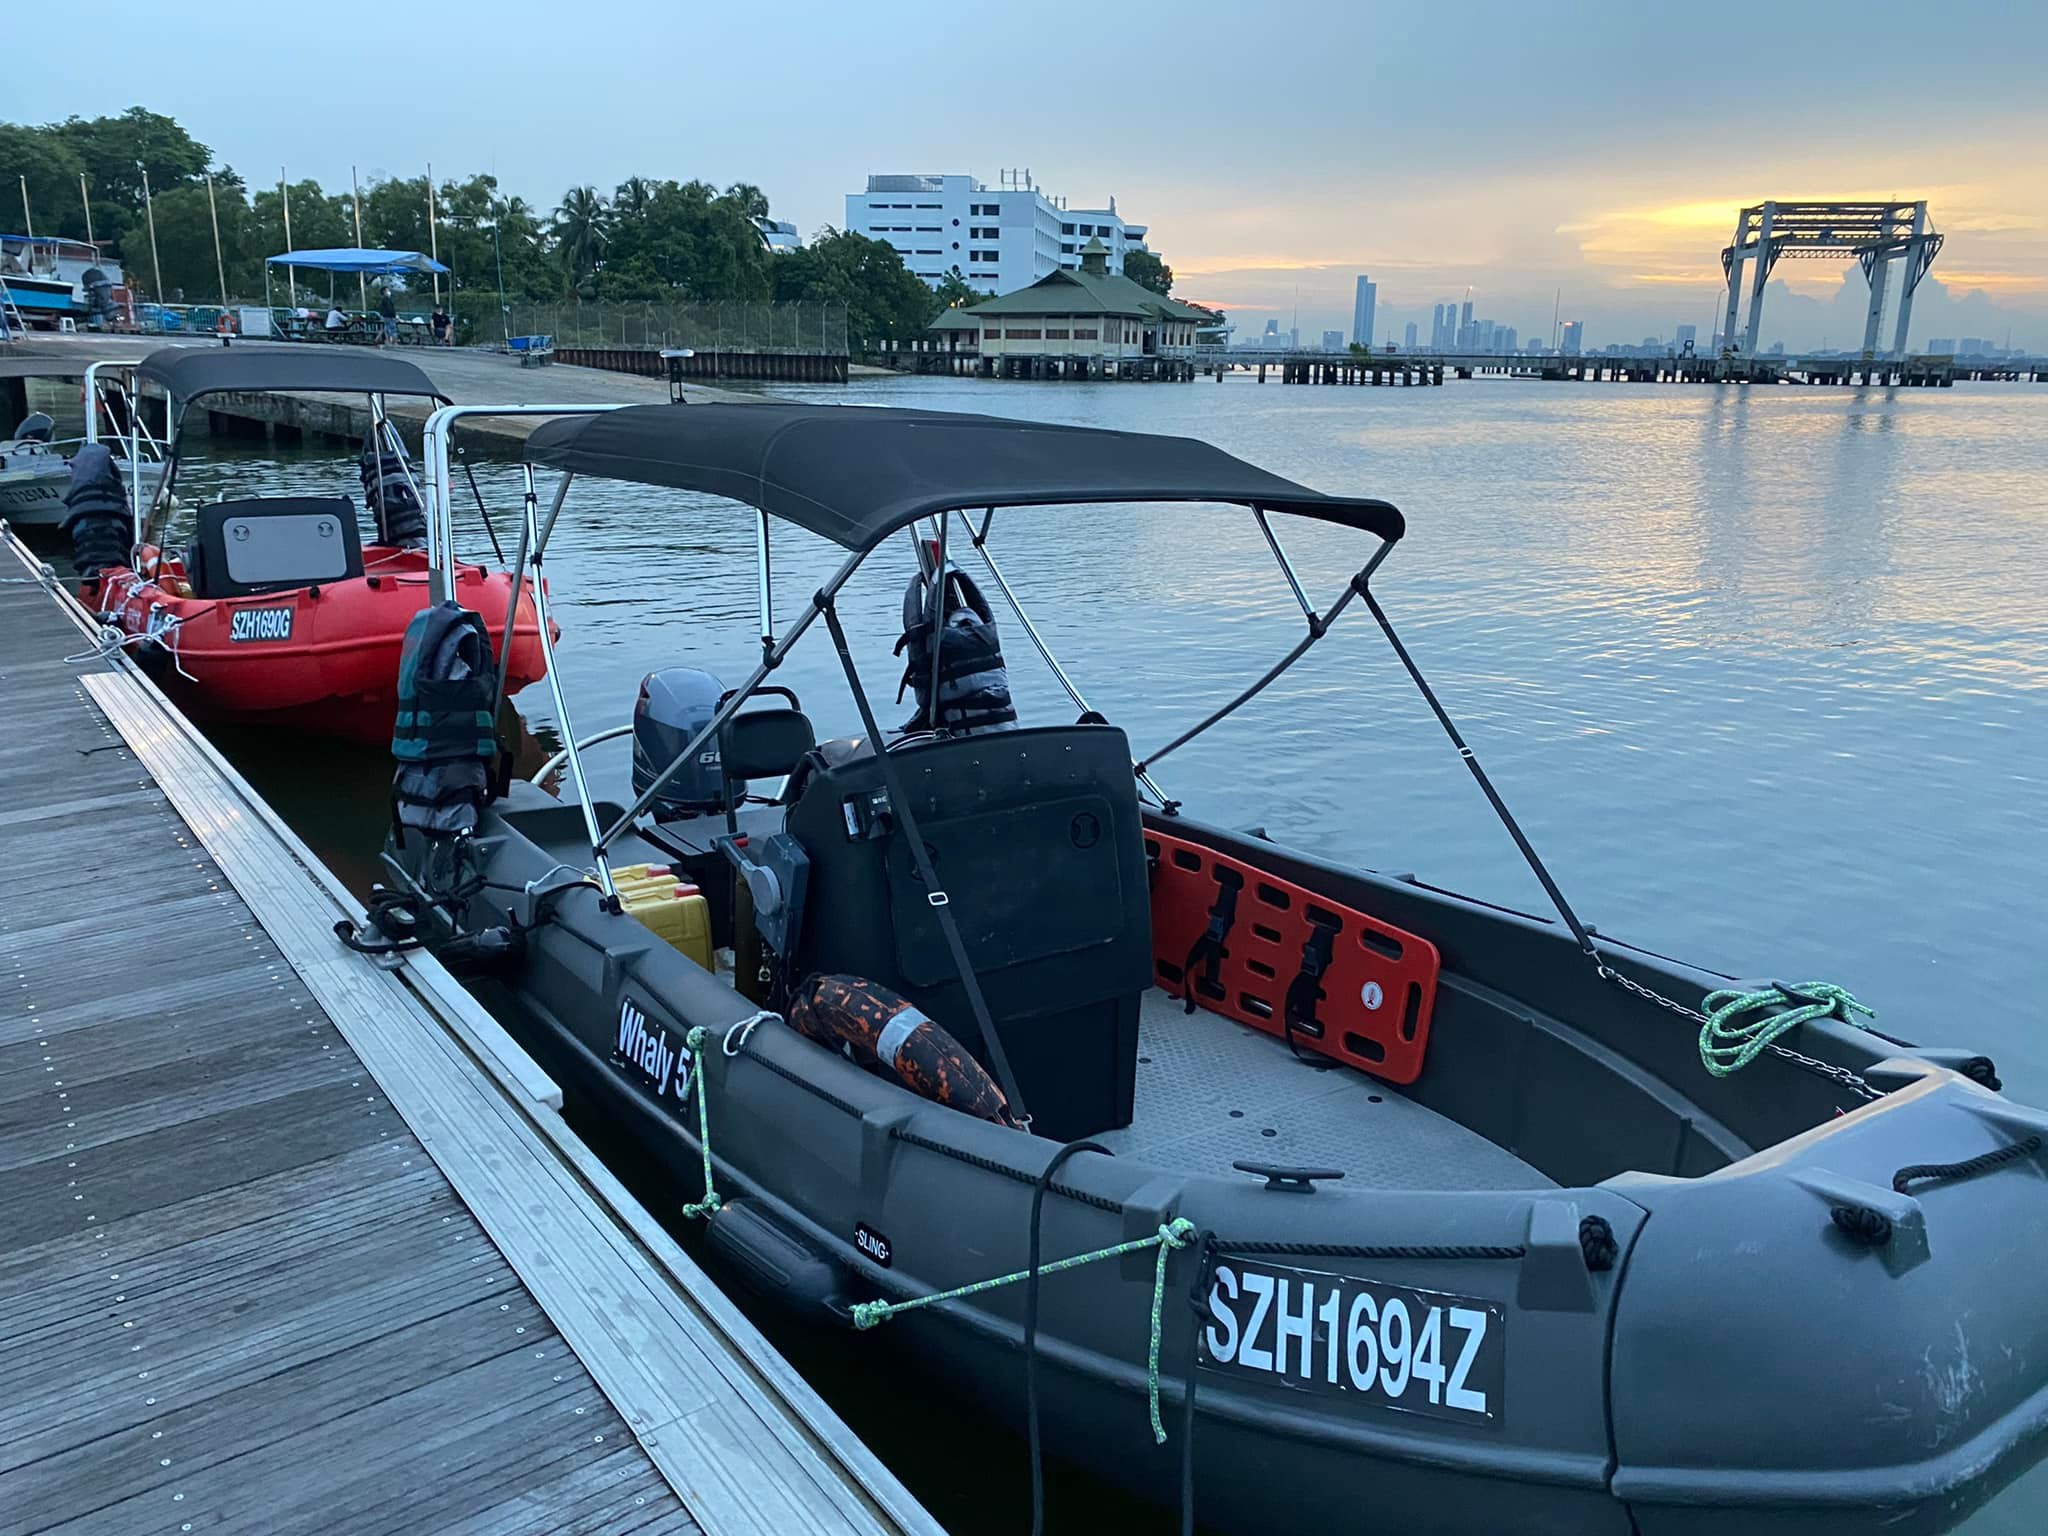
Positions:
(186, 375)
(659, 445)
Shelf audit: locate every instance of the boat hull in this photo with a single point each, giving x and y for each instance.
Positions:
(1728, 1297)
(319, 660)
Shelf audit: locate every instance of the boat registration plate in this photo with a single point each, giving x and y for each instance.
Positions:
(1384, 1346)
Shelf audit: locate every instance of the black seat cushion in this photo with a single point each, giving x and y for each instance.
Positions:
(272, 544)
(764, 744)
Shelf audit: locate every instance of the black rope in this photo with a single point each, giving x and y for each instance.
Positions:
(486, 511)
(990, 1165)
(1596, 1243)
(1968, 1168)
(1873, 1229)
(1039, 1187)
(1981, 1070)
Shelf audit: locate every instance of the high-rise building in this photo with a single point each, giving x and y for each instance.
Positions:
(1684, 334)
(1574, 339)
(1408, 338)
(1362, 306)
(1941, 344)
(1506, 337)
(1972, 346)
(1004, 237)
(1333, 341)
(1437, 341)
(1465, 327)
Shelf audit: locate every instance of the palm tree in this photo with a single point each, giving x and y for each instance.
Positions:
(634, 197)
(579, 232)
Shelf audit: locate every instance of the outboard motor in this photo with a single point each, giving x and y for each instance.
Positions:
(97, 517)
(401, 520)
(36, 427)
(99, 297)
(974, 685)
(445, 740)
(674, 705)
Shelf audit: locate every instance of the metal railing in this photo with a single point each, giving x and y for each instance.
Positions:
(815, 329)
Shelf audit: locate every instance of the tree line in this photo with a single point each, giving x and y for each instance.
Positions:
(649, 239)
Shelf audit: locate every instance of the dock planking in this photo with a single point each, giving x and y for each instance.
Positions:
(236, 1293)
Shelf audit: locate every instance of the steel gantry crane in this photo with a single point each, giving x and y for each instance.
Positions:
(1874, 233)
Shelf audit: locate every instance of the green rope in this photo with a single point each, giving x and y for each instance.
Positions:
(1175, 1234)
(710, 1204)
(1727, 1047)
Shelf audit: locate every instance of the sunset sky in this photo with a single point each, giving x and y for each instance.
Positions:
(1275, 150)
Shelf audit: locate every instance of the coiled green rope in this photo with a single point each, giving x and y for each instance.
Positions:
(710, 1205)
(1177, 1233)
(1727, 1047)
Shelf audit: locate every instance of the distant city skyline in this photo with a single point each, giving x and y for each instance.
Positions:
(1260, 212)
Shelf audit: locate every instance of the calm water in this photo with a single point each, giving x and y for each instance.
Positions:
(1764, 673)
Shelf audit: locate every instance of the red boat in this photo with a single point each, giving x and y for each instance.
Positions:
(277, 612)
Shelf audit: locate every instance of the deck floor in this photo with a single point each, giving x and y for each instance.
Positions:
(236, 1294)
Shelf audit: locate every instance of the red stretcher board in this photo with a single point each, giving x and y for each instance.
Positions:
(1377, 992)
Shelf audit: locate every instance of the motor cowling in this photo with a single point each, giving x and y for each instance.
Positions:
(36, 427)
(974, 682)
(389, 491)
(97, 518)
(674, 705)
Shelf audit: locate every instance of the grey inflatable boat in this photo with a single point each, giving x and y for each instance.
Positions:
(1301, 1196)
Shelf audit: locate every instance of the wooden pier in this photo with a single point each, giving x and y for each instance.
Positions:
(298, 1241)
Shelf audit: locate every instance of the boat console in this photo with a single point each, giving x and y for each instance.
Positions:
(272, 543)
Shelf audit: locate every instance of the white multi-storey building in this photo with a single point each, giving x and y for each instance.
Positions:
(1004, 237)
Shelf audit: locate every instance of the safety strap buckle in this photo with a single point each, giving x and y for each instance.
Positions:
(938, 898)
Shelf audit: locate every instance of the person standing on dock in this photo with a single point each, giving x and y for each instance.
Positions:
(388, 308)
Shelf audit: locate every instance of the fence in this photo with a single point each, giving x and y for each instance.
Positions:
(815, 329)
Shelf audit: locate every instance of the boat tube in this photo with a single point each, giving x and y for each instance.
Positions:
(1331, 1199)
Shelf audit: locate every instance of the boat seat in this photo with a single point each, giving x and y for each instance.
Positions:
(762, 744)
(272, 544)
(1036, 836)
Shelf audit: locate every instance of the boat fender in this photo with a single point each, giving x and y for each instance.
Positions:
(887, 1034)
(974, 683)
(778, 1263)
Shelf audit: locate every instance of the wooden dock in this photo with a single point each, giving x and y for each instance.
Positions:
(296, 1242)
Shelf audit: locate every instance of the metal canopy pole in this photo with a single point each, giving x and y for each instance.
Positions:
(519, 581)
(531, 535)
(938, 622)
(1308, 610)
(980, 541)
(764, 574)
(1318, 626)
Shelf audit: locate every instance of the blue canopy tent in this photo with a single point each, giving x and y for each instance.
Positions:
(348, 259)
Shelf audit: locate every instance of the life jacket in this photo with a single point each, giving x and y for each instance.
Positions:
(974, 685)
(401, 520)
(445, 739)
(97, 518)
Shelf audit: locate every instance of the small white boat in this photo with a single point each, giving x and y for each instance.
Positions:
(35, 465)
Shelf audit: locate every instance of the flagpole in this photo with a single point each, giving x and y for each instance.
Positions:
(220, 266)
(291, 272)
(433, 236)
(27, 220)
(149, 211)
(362, 284)
(85, 197)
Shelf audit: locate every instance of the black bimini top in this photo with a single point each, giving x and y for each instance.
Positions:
(855, 474)
(185, 373)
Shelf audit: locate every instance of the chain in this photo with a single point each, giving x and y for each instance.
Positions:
(1849, 1080)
